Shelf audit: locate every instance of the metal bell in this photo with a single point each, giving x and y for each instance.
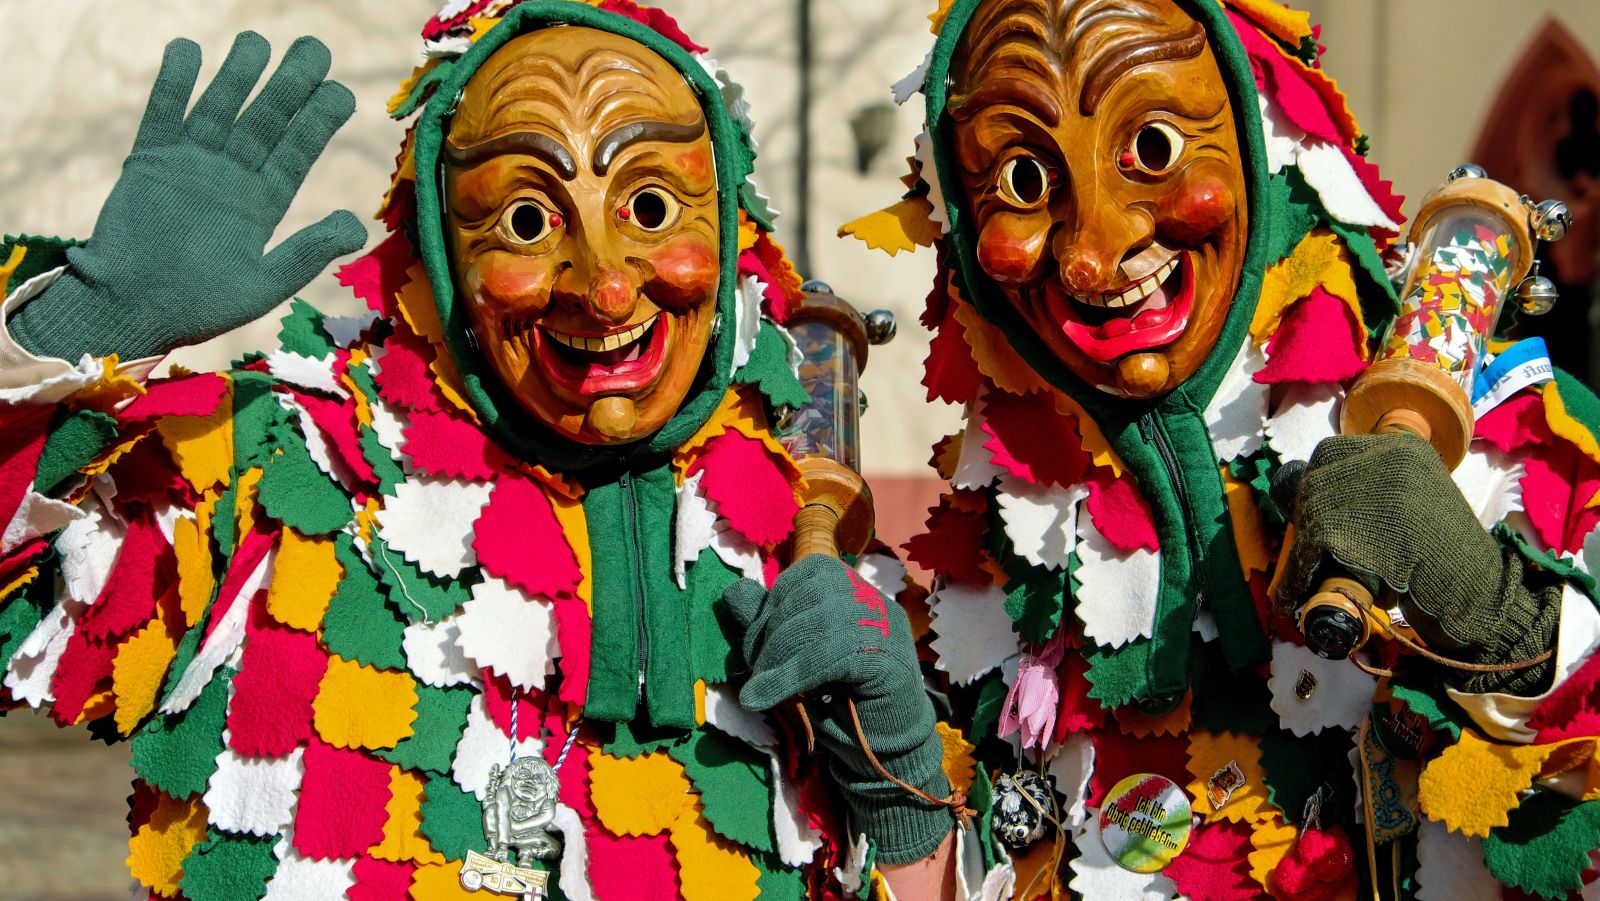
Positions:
(1537, 295)
(1024, 808)
(1467, 170)
(880, 327)
(1550, 220)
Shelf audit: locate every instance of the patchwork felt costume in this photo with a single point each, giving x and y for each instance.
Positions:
(332, 596)
(1102, 565)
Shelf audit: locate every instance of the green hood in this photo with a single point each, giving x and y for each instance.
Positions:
(734, 152)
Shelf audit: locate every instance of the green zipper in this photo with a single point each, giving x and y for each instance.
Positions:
(637, 588)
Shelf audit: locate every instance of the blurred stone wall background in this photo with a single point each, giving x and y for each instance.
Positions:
(1420, 74)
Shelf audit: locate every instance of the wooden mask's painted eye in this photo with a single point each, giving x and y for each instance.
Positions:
(652, 209)
(1024, 181)
(1156, 148)
(526, 222)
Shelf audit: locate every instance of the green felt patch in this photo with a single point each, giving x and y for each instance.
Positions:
(258, 420)
(991, 699)
(296, 493)
(302, 332)
(229, 867)
(1296, 211)
(769, 371)
(416, 594)
(735, 785)
(1379, 304)
(452, 820)
(1545, 847)
(1442, 715)
(1295, 768)
(1116, 676)
(74, 443)
(1034, 599)
(711, 627)
(177, 753)
(1225, 701)
(22, 609)
(777, 882)
(441, 718)
(43, 254)
(1561, 567)
(639, 737)
(361, 624)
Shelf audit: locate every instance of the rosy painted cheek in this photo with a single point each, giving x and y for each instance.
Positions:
(506, 283)
(685, 272)
(1009, 249)
(696, 164)
(1200, 206)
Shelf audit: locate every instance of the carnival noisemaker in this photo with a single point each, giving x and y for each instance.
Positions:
(1472, 245)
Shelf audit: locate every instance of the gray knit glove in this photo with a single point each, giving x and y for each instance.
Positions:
(1385, 508)
(824, 633)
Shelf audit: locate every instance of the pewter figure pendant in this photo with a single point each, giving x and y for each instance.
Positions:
(519, 805)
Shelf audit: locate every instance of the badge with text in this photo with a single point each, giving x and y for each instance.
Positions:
(1145, 822)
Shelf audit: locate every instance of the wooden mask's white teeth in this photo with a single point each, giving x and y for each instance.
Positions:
(1133, 293)
(603, 343)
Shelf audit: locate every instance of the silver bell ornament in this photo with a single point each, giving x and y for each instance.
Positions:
(1536, 295)
(1550, 220)
(1467, 170)
(880, 327)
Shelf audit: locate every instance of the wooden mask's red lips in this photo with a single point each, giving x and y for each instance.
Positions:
(1107, 329)
(586, 365)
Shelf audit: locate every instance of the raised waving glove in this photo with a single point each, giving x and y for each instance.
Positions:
(825, 634)
(1385, 508)
(178, 254)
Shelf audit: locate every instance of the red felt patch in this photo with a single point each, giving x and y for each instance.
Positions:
(497, 699)
(281, 668)
(952, 544)
(1380, 189)
(783, 284)
(657, 19)
(191, 395)
(377, 277)
(403, 377)
(145, 476)
(1515, 424)
(634, 869)
(85, 664)
(245, 560)
(1577, 693)
(747, 488)
(380, 880)
(442, 444)
(343, 799)
(23, 429)
(1216, 864)
(1118, 756)
(1318, 342)
(1302, 94)
(1078, 712)
(1557, 484)
(1121, 513)
(145, 568)
(336, 420)
(572, 634)
(1032, 441)
(518, 539)
(950, 374)
(772, 297)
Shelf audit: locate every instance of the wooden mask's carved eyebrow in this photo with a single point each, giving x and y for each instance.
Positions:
(605, 153)
(1185, 45)
(531, 143)
(1036, 98)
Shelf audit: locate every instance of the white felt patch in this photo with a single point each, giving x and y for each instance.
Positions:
(389, 422)
(1071, 767)
(1450, 866)
(1306, 414)
(849, 875)
(430, 521)
(1234, 416)
(347, 330)
(317, 444)
(484, 746)
(1096, 875)
(56, 388)
(1205, 624)
(1282, 138)
(225, 641)
(37, 516)
(882, 571)
(1327, 170)
(310, 373)
(1041, 520)
(696, 526)
(1492, 484)
(724, 711)
(433, 655)
(254, 795)
(574, 875)
(974, 467)
(1589, 555)
(973, 630)
(747, 319)
(798, 843)
(33, 666)
(930, 176)
(88, 549)
(505, 629)
(1117, 598)
(1342, 696)
(911, 84)
(302, 879)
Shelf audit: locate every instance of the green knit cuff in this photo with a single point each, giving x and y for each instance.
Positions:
(904, 828)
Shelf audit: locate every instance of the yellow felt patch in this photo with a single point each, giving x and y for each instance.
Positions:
(1248, 532)
(960, 767)
(306, 576)
(100, 704)
(642, 795)
(410, 83)
(141, 662)
(1210, 754)
(749, 232)
(402, 831)
(1565, 426)
(201, 446)
(191, 544)
(1094, 441)
(1273, 840)
(946, 454)
(1320, 259)
(405, 174)
(710, 866)
(362, 707)
(1475, 783)
(1290, 26)
(17, 581)
(993, 353)
(569, 513)
(938, 16)
(905, 226)
(245, 503)
(358, 355)
(1142, 725)
(156, 851)
(106, 395)
(441, 882)
(9, 267)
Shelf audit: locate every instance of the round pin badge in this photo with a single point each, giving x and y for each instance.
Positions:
(1145, 822)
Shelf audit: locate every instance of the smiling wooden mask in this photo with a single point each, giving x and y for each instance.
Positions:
(1100, 160)
(582, 211)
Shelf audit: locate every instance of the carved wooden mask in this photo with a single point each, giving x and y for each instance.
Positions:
(1101, 163)
(582, 210)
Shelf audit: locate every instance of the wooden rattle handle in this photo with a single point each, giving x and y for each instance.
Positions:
(835, 516)
(816, 531)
